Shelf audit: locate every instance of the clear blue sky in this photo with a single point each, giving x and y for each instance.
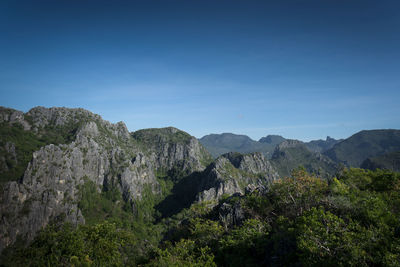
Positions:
(301, 69)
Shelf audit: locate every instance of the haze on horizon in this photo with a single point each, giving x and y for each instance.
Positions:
(300, 69)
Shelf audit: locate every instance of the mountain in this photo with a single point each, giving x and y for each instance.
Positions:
(322, 145)
(69, 165)
(388, 161)
(365, 144)
(291, 154)
(218, 144)
(272, 139)
(76, 190)
(229, 174)
(54, 159)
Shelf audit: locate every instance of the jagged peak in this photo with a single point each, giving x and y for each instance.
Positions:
(59, 115)
(237, 158)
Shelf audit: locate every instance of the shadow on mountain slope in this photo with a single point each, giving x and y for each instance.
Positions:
(182, 196)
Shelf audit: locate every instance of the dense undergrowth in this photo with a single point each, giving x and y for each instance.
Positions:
(350, 220)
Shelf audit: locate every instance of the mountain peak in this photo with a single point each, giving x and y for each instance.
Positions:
(272, 139)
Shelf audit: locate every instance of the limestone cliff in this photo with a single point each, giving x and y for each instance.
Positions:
(68, 147)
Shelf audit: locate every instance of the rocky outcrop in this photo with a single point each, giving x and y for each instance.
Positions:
(12, 116)
(171, 148)
(232, 173)
(252, 163)
(231, 213)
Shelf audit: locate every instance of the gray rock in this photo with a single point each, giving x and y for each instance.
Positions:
(231, 214)
(232, 173)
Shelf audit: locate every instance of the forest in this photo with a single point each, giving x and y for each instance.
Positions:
(349, 220)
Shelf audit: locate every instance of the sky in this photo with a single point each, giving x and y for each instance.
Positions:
(301, 69)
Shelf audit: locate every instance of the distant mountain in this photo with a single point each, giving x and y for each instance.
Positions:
(218, 144)
(272, 139)
(388, 161)
(322, 145)
(365, 144)
(291, 154)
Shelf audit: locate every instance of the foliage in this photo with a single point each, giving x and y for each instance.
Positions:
(184, 253)
(25, 143)
(244, 245)
(350, 220)
(136, 217)
(97, 245)
(324, 238)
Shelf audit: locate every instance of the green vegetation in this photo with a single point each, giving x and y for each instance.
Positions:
(94, 245)
(205, 157)
(25, 143)
(351, 220)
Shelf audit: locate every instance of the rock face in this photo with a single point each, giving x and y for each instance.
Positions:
(232, 173)
(90, 149)
(171, 148)
(231, 214)
(291, 154)
(12, 116)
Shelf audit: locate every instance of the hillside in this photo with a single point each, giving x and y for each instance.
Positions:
(365, 144)
(389, 161)
(291, 154)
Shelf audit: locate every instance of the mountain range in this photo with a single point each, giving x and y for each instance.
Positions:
(61, 165)
(218, 144)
